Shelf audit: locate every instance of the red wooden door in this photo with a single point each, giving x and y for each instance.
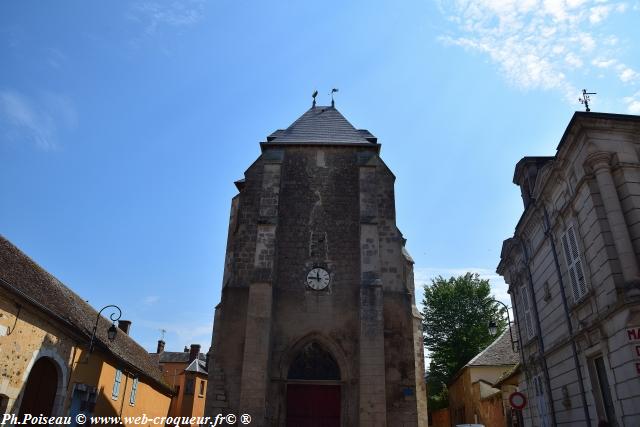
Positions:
(312, 405)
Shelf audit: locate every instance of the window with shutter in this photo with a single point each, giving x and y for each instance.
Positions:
(574, 263)
(116, 385)
(134, 391)
(526, 309)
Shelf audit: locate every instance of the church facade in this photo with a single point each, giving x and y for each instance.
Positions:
(317, 323)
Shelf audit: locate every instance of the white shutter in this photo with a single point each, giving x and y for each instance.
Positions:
(574, 263)
(524, 296)
(116, 385)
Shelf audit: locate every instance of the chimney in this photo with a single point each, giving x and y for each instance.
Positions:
(161, 344)
(124, 325)
(194, 352)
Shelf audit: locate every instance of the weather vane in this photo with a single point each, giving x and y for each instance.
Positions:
(586, 98)
(162, 332)
(334, 90)
(315, 93)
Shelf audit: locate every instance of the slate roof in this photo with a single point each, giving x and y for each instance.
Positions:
(197, 366)
(508, 374)
(322, 125)
(20, 275)
(498, 353)
(177, 357)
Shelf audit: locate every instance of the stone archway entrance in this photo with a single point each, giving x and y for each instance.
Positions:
(313, 389)
(40, 389)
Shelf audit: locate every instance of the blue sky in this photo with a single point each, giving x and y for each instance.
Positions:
(124, 124)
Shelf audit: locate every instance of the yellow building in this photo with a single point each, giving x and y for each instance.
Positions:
(186, 372)
(45, 364)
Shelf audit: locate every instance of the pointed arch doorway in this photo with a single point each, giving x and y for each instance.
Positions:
(313, 389)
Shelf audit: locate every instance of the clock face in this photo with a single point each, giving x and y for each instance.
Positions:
(318, 278)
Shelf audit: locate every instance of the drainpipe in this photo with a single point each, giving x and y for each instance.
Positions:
(540, 340)
(574, 350)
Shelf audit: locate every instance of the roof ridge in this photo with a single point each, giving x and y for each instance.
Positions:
(11, 255)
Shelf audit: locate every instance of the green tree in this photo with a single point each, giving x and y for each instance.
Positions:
(457, 312)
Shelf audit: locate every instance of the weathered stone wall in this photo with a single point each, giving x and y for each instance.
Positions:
(25, 335)
(318, 206)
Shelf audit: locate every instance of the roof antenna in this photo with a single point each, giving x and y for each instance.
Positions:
(315, 93)
(162, 332)
(333, 103)
(586, 98)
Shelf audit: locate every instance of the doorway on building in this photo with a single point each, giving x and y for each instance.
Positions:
(40, 390)
(313, 389)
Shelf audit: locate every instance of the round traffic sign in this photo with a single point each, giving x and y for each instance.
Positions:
(517, 400)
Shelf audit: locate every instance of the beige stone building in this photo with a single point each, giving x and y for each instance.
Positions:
(473, 399)
(317, 323)
(572, 270)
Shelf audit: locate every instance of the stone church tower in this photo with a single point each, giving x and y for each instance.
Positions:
(317, 324)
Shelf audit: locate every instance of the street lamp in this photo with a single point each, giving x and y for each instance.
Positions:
(493, 326)
(112, 331)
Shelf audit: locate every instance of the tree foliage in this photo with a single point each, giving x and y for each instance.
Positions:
(457, 312)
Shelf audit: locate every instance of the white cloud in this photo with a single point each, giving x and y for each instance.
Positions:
(23, 118)
(153, 15)
(151, 299)
(538, 44)
(572, 60)
(599, 13)
(633, 103)
(603, 63)
(627, 75)
(55, 57)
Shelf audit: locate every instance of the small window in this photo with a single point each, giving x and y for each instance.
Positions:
(134, 391)
(189, 387)
(574, 263)
(201, 393)
(116, 385)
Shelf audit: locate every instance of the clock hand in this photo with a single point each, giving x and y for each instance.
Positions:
(317, 275)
